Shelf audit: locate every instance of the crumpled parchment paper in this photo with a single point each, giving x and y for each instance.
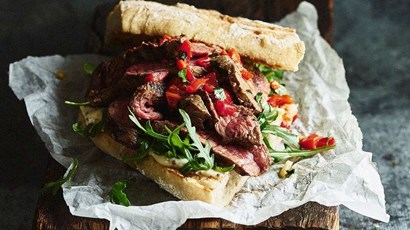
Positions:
(345, 176)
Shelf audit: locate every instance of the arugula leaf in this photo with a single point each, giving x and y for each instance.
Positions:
(141, 152)
(279, 155)
(56, 185)
(223, 169)
(76, 103)
(90, 130)
(182, 75)
(267, 116)
(291, 139)
(204, 151)
(148, 130)
(258, 98)
(89, 68)
(220, 93)
(173, 146)
(271, 74)
(117, 195)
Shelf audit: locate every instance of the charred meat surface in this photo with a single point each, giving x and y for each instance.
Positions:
(242, 128)
(244, 90)
(124, 73)
(118, 111)
(145, 98)
(196, 109)
(126, 136)
(259, 80)
(252, 161)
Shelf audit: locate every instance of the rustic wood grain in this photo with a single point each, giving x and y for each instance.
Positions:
(52, 213)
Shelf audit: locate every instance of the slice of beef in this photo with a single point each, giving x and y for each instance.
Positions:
(259, 80)
(200, 49)
(145, 98)
(126, 136)
(253, 160)
(206, 98)
(118, 111)
(242, 128)
(108, 80)
(159, 126)
(144, 68)
(196, 109)
(244, 90)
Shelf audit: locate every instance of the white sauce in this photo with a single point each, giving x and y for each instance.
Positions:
(91, 115)
(169, 162)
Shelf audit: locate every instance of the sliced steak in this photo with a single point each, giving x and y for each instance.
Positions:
(126, 136)
(159, 126)
(145, 98)
(242, 128)
(244, 90)
(196, 109)
(144, 68)
(252, 161)
(108, 80)
(118, 111)
(259, 80)
(200, 49)
(206, 98)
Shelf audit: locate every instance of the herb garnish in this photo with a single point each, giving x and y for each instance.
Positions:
(90, 130)
(56, 185)
(76, 103)
(188, 147)
(271, 74)
(220, 93)
(117, 195)
(279, 155)
(88, 68)
(182, 75)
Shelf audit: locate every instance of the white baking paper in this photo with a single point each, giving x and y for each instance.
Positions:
(346, 176)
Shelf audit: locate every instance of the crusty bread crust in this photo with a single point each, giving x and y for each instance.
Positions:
(263, 42)
(218, 191)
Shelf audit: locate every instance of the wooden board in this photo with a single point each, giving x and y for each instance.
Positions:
(53, 213)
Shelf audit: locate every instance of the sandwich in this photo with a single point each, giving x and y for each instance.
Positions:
(198, 107)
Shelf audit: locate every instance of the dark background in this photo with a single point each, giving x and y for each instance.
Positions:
(372, 37)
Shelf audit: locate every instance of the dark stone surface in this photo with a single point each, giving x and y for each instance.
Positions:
(371, 37)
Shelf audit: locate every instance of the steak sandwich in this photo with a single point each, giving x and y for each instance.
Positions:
(189, 108)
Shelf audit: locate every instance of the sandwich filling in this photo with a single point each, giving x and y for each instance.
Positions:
(234, 112)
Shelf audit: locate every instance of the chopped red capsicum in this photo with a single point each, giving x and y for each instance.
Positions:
(181, 64)
(172, 99)
(174, 92)
(224, 108)
(186, 48)
(203, 62)
(314, 141)
(211, 83)
(234, 55)
(279, 100)
(246, 74)
(164, 39)
(196, 84)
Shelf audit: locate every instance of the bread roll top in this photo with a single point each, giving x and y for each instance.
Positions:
(259, 41)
